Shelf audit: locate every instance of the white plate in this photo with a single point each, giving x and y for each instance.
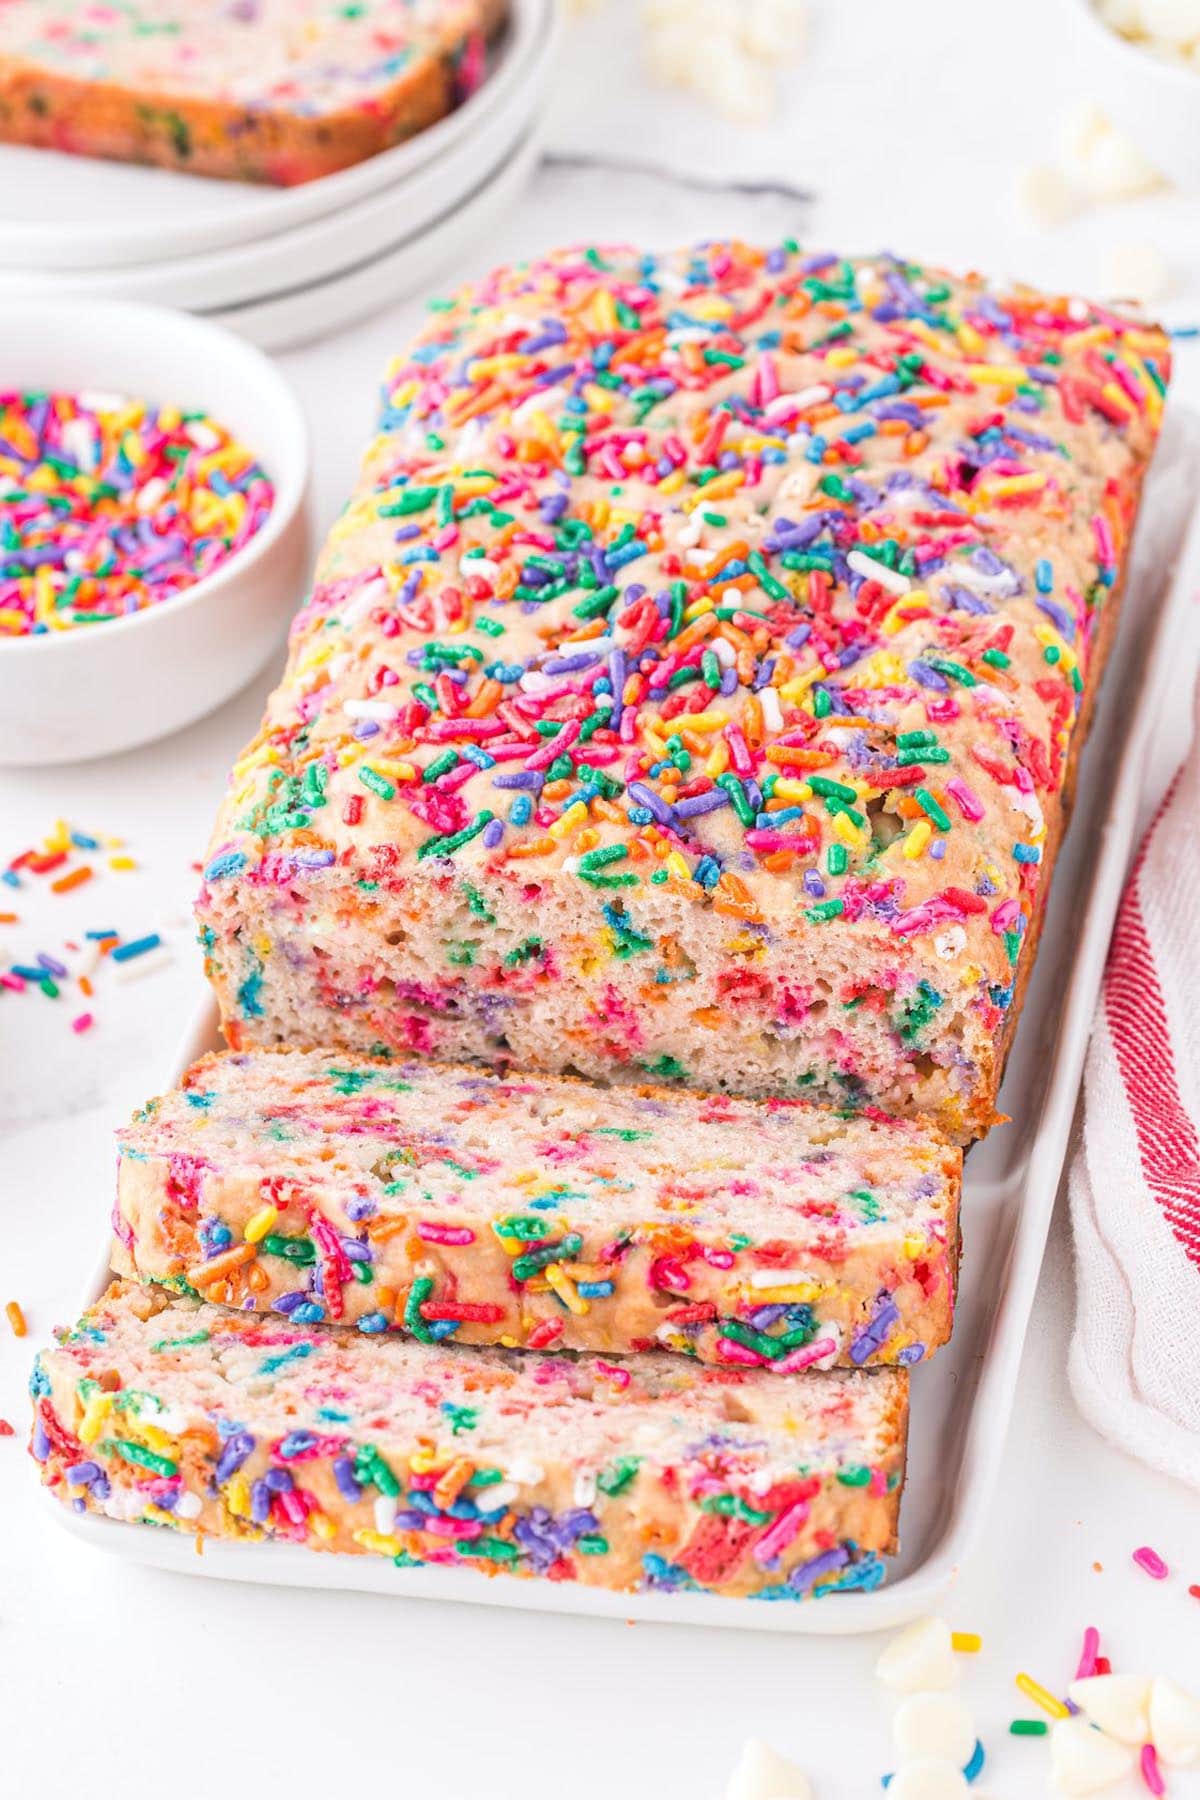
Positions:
(318, 248)
(293, 314)
(963, 1400)
(75, 212)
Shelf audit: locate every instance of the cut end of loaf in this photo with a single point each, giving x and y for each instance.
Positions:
(650, 1474)
(282, 92)
(451, 1203)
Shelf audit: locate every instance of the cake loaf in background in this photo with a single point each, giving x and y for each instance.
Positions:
(693, 688)
(279, 91)
(652, 1473)
(542, 1213)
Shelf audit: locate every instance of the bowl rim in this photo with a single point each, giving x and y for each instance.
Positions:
(1085, 12)
(191, 333)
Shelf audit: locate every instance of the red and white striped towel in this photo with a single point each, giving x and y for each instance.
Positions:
(1135, 1179)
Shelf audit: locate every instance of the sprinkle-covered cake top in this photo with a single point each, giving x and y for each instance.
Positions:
(767, 578)
(380, 1140)
(306, 57)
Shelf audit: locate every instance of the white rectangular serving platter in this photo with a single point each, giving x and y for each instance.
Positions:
(961, 1401)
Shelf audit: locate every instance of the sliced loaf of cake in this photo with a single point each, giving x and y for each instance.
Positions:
(543, 1212)
(279, 91)
(649, 1473)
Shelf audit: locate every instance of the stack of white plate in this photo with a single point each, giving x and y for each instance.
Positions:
(282, 264)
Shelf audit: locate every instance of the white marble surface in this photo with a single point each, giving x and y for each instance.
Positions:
(908, 123)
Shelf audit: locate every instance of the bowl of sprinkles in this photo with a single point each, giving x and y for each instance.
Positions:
(153, 523)
(109, 505)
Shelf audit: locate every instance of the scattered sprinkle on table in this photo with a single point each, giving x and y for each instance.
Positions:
(1151, 1562)
(1042, 1697)
(109, 505)
(16, 1318)
(69, 969)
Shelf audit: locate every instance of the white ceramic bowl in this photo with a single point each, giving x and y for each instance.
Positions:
(96, 689)
(1157, 103)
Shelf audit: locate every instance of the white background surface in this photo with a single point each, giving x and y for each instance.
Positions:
(910, 123)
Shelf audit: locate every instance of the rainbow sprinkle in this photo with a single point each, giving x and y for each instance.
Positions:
(109, 506)
(72, 965)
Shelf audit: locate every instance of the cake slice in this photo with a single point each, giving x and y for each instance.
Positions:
(694, 687)
(651, 1473)
(278, 91)
(542, 1212)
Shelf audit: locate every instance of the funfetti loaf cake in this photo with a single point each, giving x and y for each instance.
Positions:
(651, 1473)
(279, 91)
(693, 688)
(544, 1213)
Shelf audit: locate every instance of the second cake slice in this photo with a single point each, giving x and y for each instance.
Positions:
(543, 1213)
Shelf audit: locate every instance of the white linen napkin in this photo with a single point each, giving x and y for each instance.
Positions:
(1135, 1178)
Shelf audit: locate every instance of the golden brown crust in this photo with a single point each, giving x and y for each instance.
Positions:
(1059, 816)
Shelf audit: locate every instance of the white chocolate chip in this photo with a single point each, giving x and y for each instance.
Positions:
(1083, 1760)
(123, 1503)
(1044, 196)
(920, 1658)
(171, 1419)
(1118, 1704)
(937, 1725)
(1124, 16)
(929, 1778)
(1102, 159)
(525, 1472)
(773, 29)
(188, 1505)
(1136, 269)
(1178, 21)
(762, 1774)
(1174, 1723)
(1081, 126)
